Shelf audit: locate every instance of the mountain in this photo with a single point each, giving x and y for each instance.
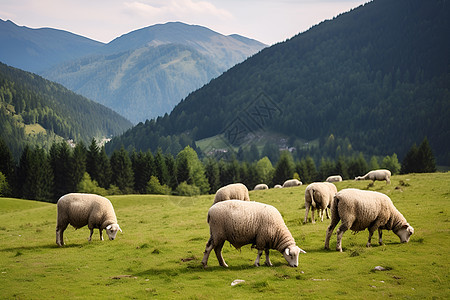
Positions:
(145, 73)
(378, 76)
(36, 111)
(34, 50)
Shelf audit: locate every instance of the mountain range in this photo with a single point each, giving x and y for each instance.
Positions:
(377, 76)
(141, 75)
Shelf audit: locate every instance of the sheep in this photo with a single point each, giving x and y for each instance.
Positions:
(335, 178)
(236, 191)
(255, 223)
(261, 186)
(79, 210)
(277, 186)
(291, 183)
(379, 175)
(319, 195)
(358, 210)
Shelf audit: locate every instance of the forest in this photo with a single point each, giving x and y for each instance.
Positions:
(37, 111)
(47, 175)
(370, 76)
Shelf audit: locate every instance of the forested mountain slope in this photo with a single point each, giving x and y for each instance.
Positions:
(378, 75)
(36, 111)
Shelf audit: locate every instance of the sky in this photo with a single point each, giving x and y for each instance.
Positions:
(267, 21)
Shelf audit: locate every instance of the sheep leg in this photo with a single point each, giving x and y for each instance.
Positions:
(312, 216)
(59, 234)
(327, 210)
(218, 250)
(306, 213)
(208, 248)
(268, 263)
(380, 235)
(329, 232)
(321, 214)
(92, 232)
(340, 232)
(101, 234)
(258, 257)
(371, 231)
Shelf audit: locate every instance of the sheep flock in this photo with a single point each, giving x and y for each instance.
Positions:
(235, 218)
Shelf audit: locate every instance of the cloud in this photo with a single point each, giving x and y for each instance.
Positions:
(175, 9)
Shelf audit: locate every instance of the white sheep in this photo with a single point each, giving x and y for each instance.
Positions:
(358, 210)
(334, 178)
(255, 223)
(379, 175)
(319, 195)
(80, 210)
(261, 186)
(291, 183)
(236, 191)
(277, 186)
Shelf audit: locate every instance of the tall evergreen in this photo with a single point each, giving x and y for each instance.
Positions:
(61, 160)
(427, 163)
(104, 166)
(284, 169)
(161, 168)
(79, 163)
(93, 160)
(212, 174)
(122, 172)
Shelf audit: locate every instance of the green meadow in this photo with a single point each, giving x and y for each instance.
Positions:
(159, 253)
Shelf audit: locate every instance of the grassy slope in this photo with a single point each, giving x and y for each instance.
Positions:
(161, 231)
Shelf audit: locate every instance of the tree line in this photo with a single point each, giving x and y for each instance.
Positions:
(47, 175)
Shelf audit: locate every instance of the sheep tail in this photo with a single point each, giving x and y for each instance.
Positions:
(311, 194)
(334, 208)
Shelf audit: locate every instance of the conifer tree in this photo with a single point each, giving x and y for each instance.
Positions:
(284, 169)
(104, 166)
(212, 174)
(122, 172)
(93, 161)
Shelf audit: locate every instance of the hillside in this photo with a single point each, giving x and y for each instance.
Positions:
(34, 50)
(159, 252)
(378, 75)
(145, 73)
(37, 111)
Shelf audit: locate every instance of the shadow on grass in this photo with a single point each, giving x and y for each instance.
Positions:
(196, 266)
(40, 247)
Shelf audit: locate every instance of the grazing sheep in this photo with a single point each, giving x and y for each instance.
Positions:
(379, 175)
(236, 191)
(335, 178)
(255, 223)
(80, 210)
(319, 195)
(261, 186)
(277, 186)
(291, 183)
(359, 210)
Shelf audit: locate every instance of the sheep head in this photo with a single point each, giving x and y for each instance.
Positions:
(405, 232)
(112, 230)
(291, 255)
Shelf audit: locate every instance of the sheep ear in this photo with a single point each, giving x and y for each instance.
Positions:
(286, 251)
(108, 227)
(301, 250)
(119, 227)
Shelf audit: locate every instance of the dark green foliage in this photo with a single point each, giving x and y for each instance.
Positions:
(143, 169)
(122, 172)
(419, 160)
(66, 175)
(284, 169)
(27, 99)
(35, 176)
(368, 75)
(213, 175)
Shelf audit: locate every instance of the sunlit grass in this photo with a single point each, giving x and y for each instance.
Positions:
(159, 252)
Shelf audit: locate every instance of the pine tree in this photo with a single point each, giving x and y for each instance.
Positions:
(212, 174)
(93, 161)
(426, 158)
(122, 172)
(161, 168)
(284, 169)
(409, 163)
(103, 164)
(79, 163)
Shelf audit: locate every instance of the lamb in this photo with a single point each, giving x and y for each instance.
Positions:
(319, 195)
(359, 210)
(236, 191)
(255, 223)
(291, 183)
(261, 186)
(335, 178)
(277, 186)
(79, 210)
(379, 175)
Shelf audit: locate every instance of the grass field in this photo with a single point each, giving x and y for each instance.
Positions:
(159, 252)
